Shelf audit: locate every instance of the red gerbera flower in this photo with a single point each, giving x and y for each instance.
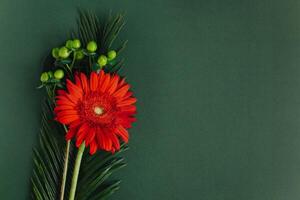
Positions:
(98, 111)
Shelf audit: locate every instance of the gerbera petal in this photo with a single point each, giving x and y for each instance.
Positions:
(101, 78)
(81, 134)
(114, 84)
(127, 102)
(99, 137)
(75, 124)
(105, 84)
(67, 119)
(61, 92)
(74, 90)
(107, 143)
(93, 147)
(130, 108)
(68, 98)
(68, 112)
(93, 81)
(123, 133)
(84, 83)
(122, 91)
(90, 136)
(70, 134)
(78, 81)
(63, 107)
(122, 83)
(126, 121)
(63, 100)
(127, 95)
(115, 141)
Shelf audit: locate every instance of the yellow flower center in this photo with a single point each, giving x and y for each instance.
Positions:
(98, 110)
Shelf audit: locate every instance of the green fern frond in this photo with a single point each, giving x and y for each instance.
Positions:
(48, 157)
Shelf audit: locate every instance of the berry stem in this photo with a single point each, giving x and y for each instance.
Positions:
(73, 61)
(76, 171)
(90, 62)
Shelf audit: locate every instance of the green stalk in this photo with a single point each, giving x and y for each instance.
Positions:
(64, 178)
(74, 58)
(76, 171)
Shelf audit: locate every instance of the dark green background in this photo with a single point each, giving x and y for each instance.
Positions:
(218, 84)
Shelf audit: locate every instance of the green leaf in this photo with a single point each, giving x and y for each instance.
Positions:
(48, 157)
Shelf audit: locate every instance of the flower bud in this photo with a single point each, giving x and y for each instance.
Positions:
(55, 53)
(69, 44)
(91, 46)
(64, 52)
(102, 60)
(79, 55)
(59, 74)
(50, 74)
(44, 77)
(111, 55)
(76, 44)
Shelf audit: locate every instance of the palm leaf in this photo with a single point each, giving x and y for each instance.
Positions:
(48, 157)
(94, 179)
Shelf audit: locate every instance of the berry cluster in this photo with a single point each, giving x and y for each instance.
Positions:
(71, 52)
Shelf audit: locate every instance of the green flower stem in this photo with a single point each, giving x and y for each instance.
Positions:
(76, 171)
(64, 178)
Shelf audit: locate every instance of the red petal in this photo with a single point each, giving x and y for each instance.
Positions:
(123, 133)
(61, 92)
(126, 121)
(106, 140)
(122, 91)
(101, 78)
(67, 119)
(130, 108)
(93, 148)
(127, 102)
(90, 136)
(75, 124)
(70, 134)
(93, 81)
(114, 83)
(105, 84)
(99, 137)
(84, 82)
(65, 101)
(115, 141)
(127, 95)
(68, 112)
(63, 107)
(74, 90)
(78, 81)
(122, 83)
(81, 134)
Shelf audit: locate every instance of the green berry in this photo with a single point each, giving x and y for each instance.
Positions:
(59, 74)
(69, 44)
(91, 46)
(50, 74)
(102, 60)
(111, 55)
(79, 55)
(76, 44)
(55, 52)
(64, 52)
(44, 77)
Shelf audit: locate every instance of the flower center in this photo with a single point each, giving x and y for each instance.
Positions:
(98, 110)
